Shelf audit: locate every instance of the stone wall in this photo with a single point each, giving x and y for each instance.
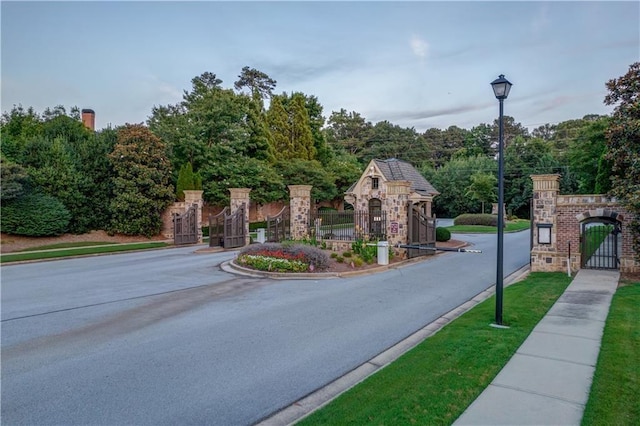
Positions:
(565, 213)
(300, 210)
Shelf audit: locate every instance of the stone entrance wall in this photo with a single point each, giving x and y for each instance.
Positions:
(565, 213)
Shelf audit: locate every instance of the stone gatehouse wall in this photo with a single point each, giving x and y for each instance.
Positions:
(565, 213)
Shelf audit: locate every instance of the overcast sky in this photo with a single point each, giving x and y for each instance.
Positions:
(417, 64)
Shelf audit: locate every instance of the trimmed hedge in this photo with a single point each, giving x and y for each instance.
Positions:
(476, 219)
(442, 234)
(35, 215)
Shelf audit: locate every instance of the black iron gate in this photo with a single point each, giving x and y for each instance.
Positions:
(279, 226)
(599, 244)
(421, 232)
(185, 226)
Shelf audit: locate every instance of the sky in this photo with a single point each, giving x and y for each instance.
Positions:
(420, 64)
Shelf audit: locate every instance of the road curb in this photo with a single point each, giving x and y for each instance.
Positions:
(325, 394)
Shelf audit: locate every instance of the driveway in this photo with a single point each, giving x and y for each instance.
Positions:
(166, 337)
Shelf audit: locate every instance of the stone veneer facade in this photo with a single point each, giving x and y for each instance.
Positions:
(180, 207)
(238, 198)
(565, 213)
(300, 210)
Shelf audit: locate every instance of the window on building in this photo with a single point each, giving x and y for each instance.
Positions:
(374, 183)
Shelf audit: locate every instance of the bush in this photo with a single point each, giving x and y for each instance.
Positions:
(334, 255)
(340, 259)
(299, 252)
(35, 215)
(442, 234)
(476, 219)
(357, 261)
(347, 254)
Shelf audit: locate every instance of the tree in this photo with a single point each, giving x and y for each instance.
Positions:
(623, 144)
(187, 180)
(388, 140)
(347, 132)
(13, 180)
(584, 155)
(452, 181)
(141, 182)
(258, 83)
(290, 126)
(483, 188)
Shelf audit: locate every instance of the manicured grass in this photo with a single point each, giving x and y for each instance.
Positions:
(511, 226)
(616, 384)
(67, 245)
(437, 380)
(16, 257)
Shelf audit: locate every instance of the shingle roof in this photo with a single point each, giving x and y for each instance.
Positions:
(394, 169)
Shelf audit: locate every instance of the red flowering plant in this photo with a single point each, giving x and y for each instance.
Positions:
(278, 257)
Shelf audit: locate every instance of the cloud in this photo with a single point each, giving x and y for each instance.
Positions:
(424, 114)
(541, 21)
(419, 47)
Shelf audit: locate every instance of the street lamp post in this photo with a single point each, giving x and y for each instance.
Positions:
(501, 87)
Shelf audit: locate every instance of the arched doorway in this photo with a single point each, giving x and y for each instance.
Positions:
(377, 223)
(600, 243)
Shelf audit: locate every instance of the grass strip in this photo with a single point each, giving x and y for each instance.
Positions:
(483, 229)
(616, 383)
(437, 380)
(67, 245)
(16, 257)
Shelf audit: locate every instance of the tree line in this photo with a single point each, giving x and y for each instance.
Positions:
(120, 179)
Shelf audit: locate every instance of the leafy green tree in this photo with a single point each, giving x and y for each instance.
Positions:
(266, 184)
(483, 188)
(187, 180)
(142, 189)
(309, 172)
(347, 132)
(280, 128)
(258, 83)
(452, 181)
(17, 127)
(585, 153)
(387, 140)
(290, 127)
(623, 144)
(346, 170)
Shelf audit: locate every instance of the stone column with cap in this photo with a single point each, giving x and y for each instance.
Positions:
(545, 257)
(240, 197)
(300, 210)
(193, 197)
(395, 204)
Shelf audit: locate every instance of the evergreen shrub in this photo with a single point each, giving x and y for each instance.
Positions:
(442, 234)
(35, 215)
(476, 219)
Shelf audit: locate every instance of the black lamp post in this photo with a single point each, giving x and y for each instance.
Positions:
(501, 87)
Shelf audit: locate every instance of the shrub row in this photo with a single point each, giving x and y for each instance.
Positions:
(476, 219)
(35, 215)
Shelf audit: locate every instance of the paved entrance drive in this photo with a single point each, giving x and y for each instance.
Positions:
(548, 379)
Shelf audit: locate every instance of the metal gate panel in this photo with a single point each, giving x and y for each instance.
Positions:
(599, 244)
(234, 229)
(216, 228)
(279, 226)
(185, 226)
(421, 232)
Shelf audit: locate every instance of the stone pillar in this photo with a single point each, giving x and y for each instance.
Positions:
(494, 209)
(192, 197)
(396, 205)
(240, 197)
(546, 257)
(300, 209)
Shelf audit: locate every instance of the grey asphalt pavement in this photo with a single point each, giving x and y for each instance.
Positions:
(166, 337)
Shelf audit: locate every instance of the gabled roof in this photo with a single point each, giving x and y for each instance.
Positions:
(394, 169)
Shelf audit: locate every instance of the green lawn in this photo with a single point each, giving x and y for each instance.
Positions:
(511, 226)
(437, 380)
(67, 245)
(615, 392)
(16, 257)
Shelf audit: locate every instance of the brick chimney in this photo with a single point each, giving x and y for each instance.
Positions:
(89, 118)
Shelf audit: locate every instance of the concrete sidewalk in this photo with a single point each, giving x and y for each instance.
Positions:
(547, 382)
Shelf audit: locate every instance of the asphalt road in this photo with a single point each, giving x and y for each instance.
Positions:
(166, 337)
